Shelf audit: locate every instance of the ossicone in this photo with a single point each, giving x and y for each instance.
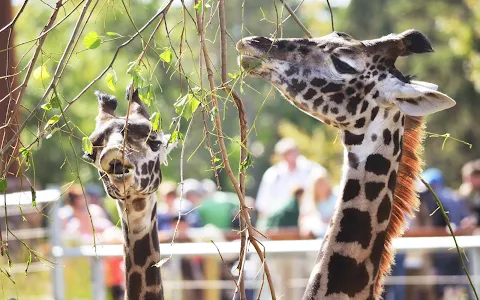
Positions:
(402, 44)
(108, 103)
(415, 42)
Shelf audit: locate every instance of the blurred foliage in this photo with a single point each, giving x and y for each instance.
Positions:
(321, 145)
(452, 27)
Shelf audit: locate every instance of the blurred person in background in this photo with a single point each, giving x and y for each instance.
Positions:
(317, 205)
(278, 181)
(75, 216)
(458, 213)
(191, 268)
(217, 208)
(96, 196)
(470, 188)
(288, 215)
(171, 203)
(193, 192)
(78, 228)
(166, 207)
(459, 217)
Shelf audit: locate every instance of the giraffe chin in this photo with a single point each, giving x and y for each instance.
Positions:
(121, 181)
(250, 64)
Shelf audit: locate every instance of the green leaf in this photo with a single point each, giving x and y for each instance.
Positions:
(248, 162)
(176, 136)
(29, 260)
(3, 185)
(198, 6)
(111, 33)
(234, 75)
(111, 80)
(166, 56)
(135, 73)
(25, 152)
(155, 119)
(34, 198)
(186, 106)
(87, 145)
(53, 120)
(145, 94)
(47, 106)
(41, 73)
(92, 40)
(55, 102)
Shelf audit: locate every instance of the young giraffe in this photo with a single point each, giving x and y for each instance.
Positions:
(130, 171)
(354, 86)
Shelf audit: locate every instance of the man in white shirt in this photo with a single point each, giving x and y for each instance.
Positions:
(279, 181)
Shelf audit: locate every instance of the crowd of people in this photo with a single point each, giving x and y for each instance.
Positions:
(293, 193)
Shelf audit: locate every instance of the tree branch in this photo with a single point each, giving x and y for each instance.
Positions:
(224, 153)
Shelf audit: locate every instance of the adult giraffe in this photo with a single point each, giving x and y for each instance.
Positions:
(354, 86)
(130, 170)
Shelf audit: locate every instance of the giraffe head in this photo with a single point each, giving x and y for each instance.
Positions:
(343, 81)
(127, 155)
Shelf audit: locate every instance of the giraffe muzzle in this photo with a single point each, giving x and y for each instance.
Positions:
(116, 164)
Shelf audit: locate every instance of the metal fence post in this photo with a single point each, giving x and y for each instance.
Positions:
(58, 271)
(474, 258)
(98, 286)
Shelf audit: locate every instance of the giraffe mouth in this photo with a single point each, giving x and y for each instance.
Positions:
(119, 171)
(251, 58)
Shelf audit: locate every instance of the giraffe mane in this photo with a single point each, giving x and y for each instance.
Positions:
(405, 201)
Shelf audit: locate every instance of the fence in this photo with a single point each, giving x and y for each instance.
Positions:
(277, 249)
(274, 249)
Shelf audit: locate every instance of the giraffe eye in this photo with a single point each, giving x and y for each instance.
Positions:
(154, 145)
(342, 67)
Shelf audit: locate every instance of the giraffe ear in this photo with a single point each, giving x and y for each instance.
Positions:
(420, 98)
(167, 147)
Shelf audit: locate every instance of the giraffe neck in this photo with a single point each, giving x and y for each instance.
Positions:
(141, 248)
(348, 262)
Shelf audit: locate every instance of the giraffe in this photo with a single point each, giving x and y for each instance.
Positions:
(131, 177)
(354, 86)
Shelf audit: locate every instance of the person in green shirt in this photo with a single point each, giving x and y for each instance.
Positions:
(218, 208)
(288, 215)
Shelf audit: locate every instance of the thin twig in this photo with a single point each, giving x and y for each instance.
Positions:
(331, 14)
(292, 13)
(12, 23)
(243, 141)
(47, 31)
(445, 217)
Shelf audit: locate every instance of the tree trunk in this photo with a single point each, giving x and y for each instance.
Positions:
(8, 107)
